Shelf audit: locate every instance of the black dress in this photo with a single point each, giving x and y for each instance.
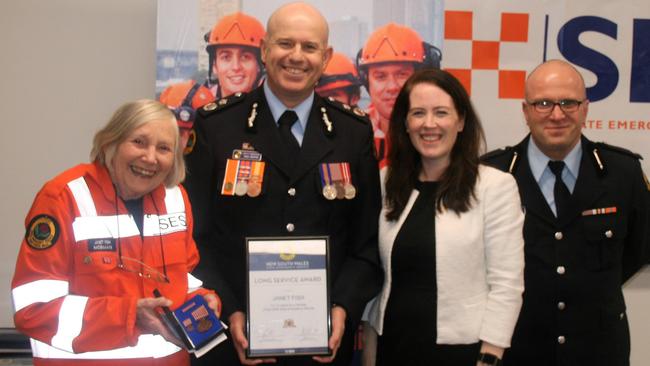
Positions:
(409, 334)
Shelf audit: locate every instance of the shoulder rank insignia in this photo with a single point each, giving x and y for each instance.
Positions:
(42, 232)
(210, 106)
(221, 104)
(618, 150)
(508, 152)
(600, 163)
(359, 114)
(494, 154)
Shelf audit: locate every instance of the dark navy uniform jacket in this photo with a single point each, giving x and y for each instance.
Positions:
(291, 202)
(574, 312)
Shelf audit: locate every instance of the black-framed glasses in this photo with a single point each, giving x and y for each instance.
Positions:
(546, 105)
(141, 269)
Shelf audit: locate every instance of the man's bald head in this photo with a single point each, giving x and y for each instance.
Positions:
(558, 85)
(293, 10)
(550, 69)
(295, 52)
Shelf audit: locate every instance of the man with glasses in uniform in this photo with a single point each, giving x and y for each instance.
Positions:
(585, 232)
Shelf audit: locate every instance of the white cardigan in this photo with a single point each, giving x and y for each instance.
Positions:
(479, 264)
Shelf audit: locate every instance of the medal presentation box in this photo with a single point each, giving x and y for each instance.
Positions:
(196, 325)
(288, 296)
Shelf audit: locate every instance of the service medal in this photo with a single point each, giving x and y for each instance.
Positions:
(241, 188)
(256, 178)
(329, 192)
(254, 189)
(230, 176)
(350, 191)
(204, 325)
(340, 192)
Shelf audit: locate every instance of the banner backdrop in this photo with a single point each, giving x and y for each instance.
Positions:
(492, 45)
(489, 45)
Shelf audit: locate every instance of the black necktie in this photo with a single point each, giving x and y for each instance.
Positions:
(285, 122)
(560, 190)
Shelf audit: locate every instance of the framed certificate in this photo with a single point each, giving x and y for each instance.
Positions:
(288, 296)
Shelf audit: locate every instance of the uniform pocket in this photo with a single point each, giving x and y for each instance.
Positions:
(612, 317)
(604, 235)
(95, 255)
(173, 247)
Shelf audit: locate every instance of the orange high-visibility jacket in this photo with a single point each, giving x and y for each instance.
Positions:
(381, 138)
(69, 294)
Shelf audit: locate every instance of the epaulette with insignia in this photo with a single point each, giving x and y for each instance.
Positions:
(509, 152)
(496, 153)
(355, 111)
(619, 150)
(221, 104)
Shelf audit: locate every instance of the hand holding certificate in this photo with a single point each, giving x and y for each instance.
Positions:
(338, 328)
(288, 297)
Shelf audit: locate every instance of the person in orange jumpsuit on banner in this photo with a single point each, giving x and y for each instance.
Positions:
(391, 54)
(340, 81)
(235, 64)
(100, 238)
(183, 99)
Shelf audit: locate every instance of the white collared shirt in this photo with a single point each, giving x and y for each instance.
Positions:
(543, 175)
(302, 110)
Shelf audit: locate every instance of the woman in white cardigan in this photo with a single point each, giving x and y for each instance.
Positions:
(450, 235)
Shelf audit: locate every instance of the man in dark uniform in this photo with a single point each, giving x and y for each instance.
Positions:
(288, 196)
(585, 234)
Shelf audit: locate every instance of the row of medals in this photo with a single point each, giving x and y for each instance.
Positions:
(252, 188)
(339, 190)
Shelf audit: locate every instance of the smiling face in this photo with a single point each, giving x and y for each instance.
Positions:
(295, 52)
(236, 68)
(144, 159)
(384, 83)
(432, 124)
(556, 132)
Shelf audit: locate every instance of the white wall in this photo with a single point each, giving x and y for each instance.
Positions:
(65, 65)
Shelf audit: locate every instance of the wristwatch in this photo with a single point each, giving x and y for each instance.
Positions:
(489, 359)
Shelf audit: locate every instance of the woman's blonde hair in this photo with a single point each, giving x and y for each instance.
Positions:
(127, 118)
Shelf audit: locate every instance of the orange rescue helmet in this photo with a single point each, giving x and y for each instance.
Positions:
(396, 43)
(339, 73)
(237, 29)
(392, 43)
(184, 99)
